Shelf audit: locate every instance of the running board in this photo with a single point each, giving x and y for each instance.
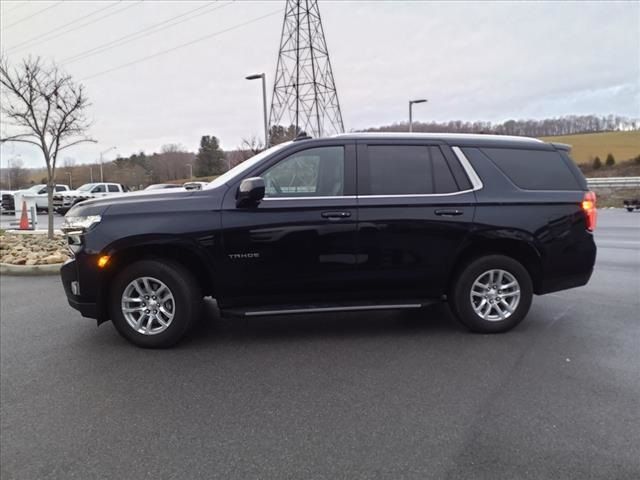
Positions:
(301, 309)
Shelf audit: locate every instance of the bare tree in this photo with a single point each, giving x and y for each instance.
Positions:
(250, 146)
(44, 107)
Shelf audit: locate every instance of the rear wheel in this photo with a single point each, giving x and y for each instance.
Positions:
(153, 303)
(492, 294)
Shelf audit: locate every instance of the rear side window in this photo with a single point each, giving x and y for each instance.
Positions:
(113, 188)
(443, 180)
(534, 169)
(399, 170)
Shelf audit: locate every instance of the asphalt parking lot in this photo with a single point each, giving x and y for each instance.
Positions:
(386, 395)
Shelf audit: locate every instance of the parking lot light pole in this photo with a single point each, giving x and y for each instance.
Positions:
(264, 104)
(101, 154)
(70, 182)
(190, 171)
(411, 102)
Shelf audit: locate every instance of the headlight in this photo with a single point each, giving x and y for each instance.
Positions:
(74, 224)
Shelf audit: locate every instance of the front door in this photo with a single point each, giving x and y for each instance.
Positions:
(299, 243)
(415, 211)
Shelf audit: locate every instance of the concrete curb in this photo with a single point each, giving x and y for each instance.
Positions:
(29, 270)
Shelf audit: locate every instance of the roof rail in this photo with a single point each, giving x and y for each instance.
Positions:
(302, 136)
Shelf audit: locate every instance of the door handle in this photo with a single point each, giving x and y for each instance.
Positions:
(449, 212)
(335, 215)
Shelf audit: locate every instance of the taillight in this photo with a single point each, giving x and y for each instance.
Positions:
(589, 209)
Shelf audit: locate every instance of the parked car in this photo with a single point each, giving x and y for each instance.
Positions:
(63, 201)
(163, 186)
(195, 185)
(631, 204)
(39, 191)
(8, 194)
(345, 223)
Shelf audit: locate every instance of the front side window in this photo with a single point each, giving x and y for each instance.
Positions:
(98, 189)
(316, 172)
(60, 188)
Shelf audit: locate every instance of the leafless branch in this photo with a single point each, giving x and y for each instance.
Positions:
(44, 107)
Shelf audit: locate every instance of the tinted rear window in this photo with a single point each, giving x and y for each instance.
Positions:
(399, 170)
(442, 177)
(534, 169)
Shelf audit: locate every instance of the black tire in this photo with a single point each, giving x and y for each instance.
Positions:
(184, 288)
(460, 302)
(629, 209)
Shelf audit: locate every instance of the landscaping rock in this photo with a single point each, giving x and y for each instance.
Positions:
(34, 249)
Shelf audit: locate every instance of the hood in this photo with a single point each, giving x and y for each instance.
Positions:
(151, 201)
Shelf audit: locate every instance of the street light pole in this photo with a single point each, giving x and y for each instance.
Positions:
(190, 171)
(101, 154)
(264, 104)
(70, 181)
(411, 102)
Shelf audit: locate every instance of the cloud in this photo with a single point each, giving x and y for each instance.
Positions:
(472, 60)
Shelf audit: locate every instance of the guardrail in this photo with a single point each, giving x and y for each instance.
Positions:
(614, 182)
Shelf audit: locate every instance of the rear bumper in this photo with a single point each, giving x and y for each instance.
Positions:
(566, 282)
(569, 268)
(69, 273)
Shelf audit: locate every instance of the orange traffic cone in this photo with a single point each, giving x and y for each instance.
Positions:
(24, 218)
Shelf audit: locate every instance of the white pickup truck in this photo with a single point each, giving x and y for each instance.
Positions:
(39, 191)
(63, 201)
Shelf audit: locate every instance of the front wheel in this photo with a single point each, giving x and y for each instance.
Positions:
(153, 303)
(491, 294)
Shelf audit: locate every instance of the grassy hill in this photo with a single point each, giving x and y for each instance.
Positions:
(623, 145)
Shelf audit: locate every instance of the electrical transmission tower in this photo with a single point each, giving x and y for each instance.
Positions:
(304, 91)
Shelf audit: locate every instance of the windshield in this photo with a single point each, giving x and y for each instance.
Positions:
(244, 166)
(86, 186)
(36, 188)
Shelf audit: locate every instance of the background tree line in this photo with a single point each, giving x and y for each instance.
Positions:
(175, 163)
(566, 125)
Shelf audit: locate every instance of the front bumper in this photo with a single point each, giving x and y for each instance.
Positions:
(69, 274)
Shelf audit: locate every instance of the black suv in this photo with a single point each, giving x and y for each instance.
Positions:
(351, 222)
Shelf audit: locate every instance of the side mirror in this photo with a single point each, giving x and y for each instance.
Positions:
(250, 192)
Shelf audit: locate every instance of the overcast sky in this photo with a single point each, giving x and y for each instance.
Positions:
(473, 61)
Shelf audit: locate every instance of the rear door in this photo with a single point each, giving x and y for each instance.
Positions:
(416, 207)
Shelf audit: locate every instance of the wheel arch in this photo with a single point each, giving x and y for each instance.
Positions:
(518, 247)
(184, 252)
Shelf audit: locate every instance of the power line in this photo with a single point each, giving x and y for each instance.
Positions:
(199, 39)
(144, 32)
(33, 15)
(63, 26)
(126, 7)
(16, 7)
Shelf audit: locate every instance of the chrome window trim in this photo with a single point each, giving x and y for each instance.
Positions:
(318, 197)
(476, 183)
(418, 195)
